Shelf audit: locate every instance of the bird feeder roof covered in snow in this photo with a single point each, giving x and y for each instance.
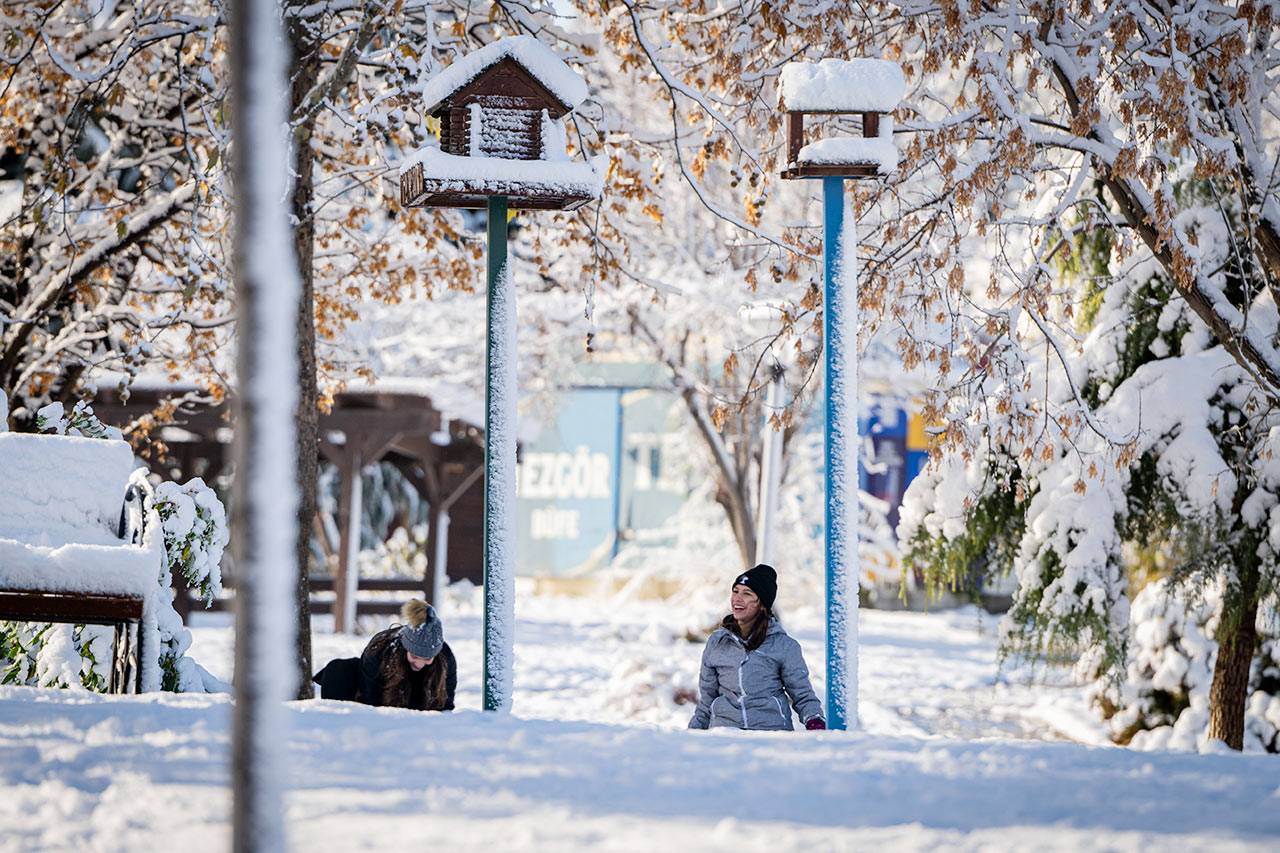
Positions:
(871, 87)
(501, 113)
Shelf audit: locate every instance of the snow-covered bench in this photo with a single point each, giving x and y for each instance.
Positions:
(71, 548)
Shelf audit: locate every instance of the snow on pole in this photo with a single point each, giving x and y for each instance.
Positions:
(266, 499)
(499, 467)
(346, 620)
(840, 373)
(441, 562)
(770, 472)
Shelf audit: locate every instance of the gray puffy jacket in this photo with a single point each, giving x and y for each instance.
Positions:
(751, 689)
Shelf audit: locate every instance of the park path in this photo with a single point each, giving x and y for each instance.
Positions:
(922, 674)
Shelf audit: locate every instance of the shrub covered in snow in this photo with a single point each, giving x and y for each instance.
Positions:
(1163, 700)
(195, 534)
(402, 555)
(55, 655)
(1262, 717)
(79, 421)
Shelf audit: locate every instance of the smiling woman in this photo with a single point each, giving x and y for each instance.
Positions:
(751, 668)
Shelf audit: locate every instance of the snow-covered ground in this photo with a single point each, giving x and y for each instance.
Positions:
(595, 756)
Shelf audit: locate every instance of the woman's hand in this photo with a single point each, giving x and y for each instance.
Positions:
(817, 724)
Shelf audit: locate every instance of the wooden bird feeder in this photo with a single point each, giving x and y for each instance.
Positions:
(500, 112)
(870, 88)
(501, 147)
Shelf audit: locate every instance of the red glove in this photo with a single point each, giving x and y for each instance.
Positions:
(817, 724)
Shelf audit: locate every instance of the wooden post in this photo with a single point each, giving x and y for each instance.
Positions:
(795, 135)
(350, 511)
(870, 125)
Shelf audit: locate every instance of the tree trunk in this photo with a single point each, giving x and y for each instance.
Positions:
(305, 72)
(263, 505)
(1229, 691)
(737, 507)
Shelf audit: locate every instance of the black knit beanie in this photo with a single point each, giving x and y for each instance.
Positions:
(763, 581)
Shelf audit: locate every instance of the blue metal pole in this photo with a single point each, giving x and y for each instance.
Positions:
(840, 373)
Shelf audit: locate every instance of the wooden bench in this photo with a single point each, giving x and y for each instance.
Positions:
(123, 612)
(71, 548)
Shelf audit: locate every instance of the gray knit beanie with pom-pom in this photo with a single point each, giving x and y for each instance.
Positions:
(422, 633)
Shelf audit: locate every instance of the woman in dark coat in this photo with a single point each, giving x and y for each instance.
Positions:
(405, 666)
(751, 669)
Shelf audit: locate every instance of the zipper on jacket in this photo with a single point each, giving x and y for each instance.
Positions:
(779, 704)
(742, 691)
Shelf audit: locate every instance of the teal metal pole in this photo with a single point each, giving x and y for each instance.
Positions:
(499, 466)
(840, 373)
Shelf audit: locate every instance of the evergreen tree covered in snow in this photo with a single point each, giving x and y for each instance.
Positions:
(1174, 457)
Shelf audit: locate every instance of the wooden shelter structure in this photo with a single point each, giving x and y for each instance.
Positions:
(441, 458)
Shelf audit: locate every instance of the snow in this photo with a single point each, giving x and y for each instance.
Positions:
(841, 85)
(59, 515)
(499, 176)
(476, 127)
(61, 489)
(877, 151)
(118, 569)
(949, 757)
(538, 59)
(554, 141)
(10, 200)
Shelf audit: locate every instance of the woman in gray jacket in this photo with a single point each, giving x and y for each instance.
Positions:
(751, 669)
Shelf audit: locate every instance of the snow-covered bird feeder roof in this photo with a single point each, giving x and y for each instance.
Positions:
(871, 87)
(60, 513)
(501, 111)
(540, 62)
(841, 86)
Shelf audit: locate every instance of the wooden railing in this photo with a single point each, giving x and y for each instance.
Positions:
(409, 587)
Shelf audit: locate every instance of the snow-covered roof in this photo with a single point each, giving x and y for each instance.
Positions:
(496, 176)
(534, 56)
(841, 85)
(59, 514)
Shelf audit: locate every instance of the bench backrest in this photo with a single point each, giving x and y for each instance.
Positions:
(61, 489)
